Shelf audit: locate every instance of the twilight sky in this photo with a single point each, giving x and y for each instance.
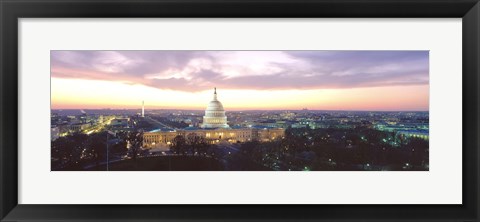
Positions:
(329, 80)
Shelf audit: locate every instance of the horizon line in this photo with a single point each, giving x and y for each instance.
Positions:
(169, 109)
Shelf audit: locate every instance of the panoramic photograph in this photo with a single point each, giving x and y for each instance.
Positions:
(313, 110)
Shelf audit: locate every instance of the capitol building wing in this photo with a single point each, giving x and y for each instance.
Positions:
(214, 129)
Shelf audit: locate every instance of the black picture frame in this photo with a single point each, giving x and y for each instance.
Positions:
(12, 10)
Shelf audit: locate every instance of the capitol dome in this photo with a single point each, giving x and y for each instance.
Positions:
(215, 114)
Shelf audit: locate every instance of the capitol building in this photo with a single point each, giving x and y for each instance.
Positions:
(214, 129)
(215, 114)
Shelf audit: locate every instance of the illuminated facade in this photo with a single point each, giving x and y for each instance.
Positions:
(214, 129)
(420, 134)
(213, 136)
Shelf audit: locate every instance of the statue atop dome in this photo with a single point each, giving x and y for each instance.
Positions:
(215, 93)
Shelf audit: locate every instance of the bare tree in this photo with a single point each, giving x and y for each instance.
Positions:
(135, 141)
(178, 144)
(96, 146)
(195, 142)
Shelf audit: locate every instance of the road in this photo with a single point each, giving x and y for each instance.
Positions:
(158, 123)
(98, 127)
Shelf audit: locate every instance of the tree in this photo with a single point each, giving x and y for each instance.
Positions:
(178, 144)
(419, 151)
(134, 141)
(203, 146)
(96, 145)
(66, 151)
(194, 141)
(61, 150)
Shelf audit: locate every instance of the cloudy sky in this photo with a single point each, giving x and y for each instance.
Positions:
(330, 80)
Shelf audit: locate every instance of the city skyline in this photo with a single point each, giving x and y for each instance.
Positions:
(247, 80)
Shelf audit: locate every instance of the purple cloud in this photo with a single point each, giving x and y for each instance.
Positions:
(266, 70)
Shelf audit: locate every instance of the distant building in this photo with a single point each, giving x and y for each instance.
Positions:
(319, 125)
(266, 123)
(421, 134)
(67, 128)
(54, 133)
(119, 122)
(299, 125)
(78, 127)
